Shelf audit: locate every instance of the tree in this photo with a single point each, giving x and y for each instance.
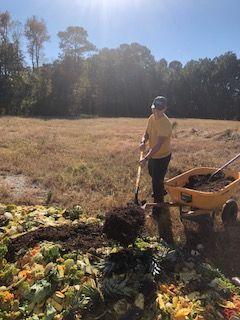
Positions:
(74, 43)
(5, 25)
(175, 65)
(70, 76)
(124, 80)
(36, 34)
(11, 65)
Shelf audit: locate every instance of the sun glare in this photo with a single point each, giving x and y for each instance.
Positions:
(109, 4)
(115, 3)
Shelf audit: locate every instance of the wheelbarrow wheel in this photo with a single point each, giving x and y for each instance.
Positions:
(229, 212)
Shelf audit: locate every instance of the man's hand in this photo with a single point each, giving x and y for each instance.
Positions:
(142, 146)
(143, 162)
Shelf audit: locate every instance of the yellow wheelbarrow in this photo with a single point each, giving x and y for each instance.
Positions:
(193, 203)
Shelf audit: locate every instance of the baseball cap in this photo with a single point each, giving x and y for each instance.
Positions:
(159, 102)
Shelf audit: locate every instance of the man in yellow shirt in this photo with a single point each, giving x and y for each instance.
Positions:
(158, 134)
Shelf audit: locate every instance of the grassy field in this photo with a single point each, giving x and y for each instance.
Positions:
(93, 163)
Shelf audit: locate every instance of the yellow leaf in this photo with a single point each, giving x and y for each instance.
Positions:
(160, 301)
(182, 313)
(175, 301)
(227, 304)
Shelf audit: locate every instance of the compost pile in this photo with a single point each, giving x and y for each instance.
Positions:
(124, 224)
(49, 280)
(200, 182)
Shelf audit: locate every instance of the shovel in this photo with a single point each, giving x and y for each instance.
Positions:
(137, 181)
(224, 166)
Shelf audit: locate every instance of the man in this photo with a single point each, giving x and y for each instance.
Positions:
(158, 134)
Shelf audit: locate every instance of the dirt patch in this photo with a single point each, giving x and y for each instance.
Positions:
(200, 182)
(21, 189)
(71, 237)
(124, 224)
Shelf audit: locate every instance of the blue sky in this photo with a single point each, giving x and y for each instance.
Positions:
(172, 29)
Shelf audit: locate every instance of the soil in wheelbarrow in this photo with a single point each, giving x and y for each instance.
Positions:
(200, 182)
(124, 224)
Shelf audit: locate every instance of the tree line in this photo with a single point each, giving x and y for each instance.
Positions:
(107, 82)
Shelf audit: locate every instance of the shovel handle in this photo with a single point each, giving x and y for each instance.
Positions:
(224, 166)
(138, 173)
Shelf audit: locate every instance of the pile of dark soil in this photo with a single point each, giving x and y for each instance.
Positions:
(71, 237)
(200, 182)
(124, 224)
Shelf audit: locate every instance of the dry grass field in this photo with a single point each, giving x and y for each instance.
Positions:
(93, 163)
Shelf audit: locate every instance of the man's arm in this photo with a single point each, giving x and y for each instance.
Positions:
(153, 150)
(145, 137)
(143, 141)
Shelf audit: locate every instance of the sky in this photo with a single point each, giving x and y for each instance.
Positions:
(172, 29)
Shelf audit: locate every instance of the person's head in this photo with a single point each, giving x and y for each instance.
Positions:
(159, 106)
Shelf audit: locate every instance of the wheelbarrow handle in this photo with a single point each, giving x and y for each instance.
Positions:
(224, 166)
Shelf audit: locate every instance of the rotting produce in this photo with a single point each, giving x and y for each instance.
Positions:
(44, 280)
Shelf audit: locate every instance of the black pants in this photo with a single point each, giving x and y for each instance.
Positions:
(157, 169)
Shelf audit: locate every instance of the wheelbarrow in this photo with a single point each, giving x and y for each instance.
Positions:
(194, 203)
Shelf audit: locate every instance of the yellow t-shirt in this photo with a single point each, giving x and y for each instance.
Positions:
(161, 127)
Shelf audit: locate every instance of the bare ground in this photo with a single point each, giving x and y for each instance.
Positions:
(21, 189)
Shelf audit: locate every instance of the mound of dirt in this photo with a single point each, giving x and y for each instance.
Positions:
(71, 237)
(124, 224)
(200, 182)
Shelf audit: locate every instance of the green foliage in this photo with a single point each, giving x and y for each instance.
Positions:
(7, 272)
(226, 284)
(208, 272)
(50, 253)
(118, 287)
(40, 291)
(93, 294)
(50, 313)
(87, 298)
(3, 251)
(24, 289)
(74, 213)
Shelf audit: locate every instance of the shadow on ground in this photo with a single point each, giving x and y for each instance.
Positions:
(221, 244)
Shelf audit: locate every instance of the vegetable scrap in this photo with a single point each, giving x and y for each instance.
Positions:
(148, 280)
